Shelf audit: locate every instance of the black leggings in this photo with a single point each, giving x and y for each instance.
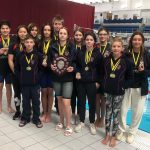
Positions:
(74, 98)
(89, 90)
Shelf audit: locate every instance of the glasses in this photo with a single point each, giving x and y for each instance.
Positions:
(102, 34)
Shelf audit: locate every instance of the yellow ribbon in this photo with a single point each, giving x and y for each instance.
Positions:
(46, 46)
(136, 60)
(55, 37)
(29, 60)
(5, 43)
(88, 55)
(103, 51)
(20, 47)
(114, 66)
(61, 51)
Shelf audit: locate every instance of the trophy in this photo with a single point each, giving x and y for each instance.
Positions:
(61, 63)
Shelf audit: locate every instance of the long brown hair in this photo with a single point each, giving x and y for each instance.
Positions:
(130, 47)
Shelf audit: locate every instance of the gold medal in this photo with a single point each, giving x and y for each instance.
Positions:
(86, 68)
(112, 75)
(28, 68)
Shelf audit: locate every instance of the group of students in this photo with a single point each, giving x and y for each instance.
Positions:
(110, 77)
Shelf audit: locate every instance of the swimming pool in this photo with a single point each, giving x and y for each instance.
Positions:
(145, 122)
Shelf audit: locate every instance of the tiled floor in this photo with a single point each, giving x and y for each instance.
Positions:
(29, 137)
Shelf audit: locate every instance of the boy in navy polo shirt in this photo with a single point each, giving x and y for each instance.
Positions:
(27, 68)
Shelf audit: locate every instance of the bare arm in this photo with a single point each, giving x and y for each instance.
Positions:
(11, 62)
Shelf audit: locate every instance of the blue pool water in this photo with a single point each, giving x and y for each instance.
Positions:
(145, 123)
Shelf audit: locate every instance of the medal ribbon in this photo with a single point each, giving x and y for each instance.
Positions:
(88, 55)
(20, 47)
(103, 51)
(5, 43)
(135, 60)
(114, 66)
(46, 46)
(78, 46)
(61, 51)
(29, 60)
(55, 37)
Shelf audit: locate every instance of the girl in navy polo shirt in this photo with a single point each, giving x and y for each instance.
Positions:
(89, 74)
(5, 72)
(46, 81)
(13, 52)
(117, 77)
(78, 43)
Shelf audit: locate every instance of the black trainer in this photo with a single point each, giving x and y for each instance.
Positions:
(17, 115)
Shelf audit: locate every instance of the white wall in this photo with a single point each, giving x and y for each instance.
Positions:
(130, 7)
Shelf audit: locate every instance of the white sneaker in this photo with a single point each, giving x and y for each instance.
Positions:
(92, 128)
(119, 135)
(130, 138)
(79, 127)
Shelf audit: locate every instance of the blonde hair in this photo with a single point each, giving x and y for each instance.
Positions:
(117, 39)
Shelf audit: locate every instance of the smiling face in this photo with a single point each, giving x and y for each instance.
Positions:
(22, 33)
(5, 30)
(137, 42)
(117, 48)
(63, 34)
(34, 31)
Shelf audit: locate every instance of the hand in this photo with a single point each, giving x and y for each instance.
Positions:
(44, 64)
(141, 68)
(53, 67)
(2, 50)
(97, 85)
(70, 69)
(78, 76)
(5, 51)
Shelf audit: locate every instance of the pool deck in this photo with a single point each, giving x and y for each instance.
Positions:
(46, 138)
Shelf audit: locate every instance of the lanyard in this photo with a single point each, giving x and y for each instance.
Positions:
(78, 46)
(46, 46)
(20, 47)
(29, 60)
(103, 51)
(5, 43)
(55, 37)
(88, 55)
(114, 66)
(61, 51)
(135, 60)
